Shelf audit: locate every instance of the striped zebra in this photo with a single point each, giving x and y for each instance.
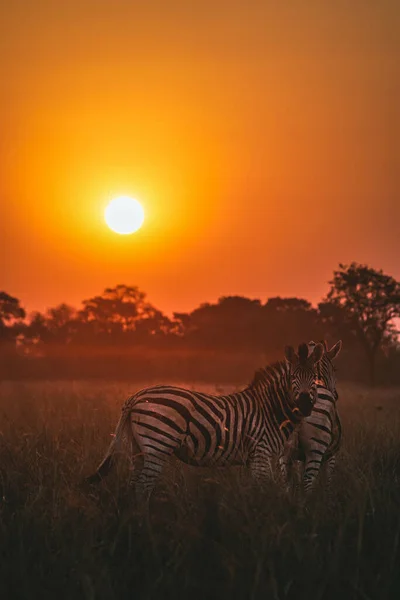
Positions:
(243, 428)
(317, 439)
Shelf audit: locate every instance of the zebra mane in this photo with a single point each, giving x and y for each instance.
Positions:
(268, 373)
(277, 368)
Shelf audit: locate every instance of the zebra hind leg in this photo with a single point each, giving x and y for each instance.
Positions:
(144, 480)
(136, 469)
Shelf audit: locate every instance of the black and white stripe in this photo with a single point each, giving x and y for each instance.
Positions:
(317, 439)
(244, 428)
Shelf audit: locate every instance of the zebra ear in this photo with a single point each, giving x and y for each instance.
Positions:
(317, 353)
(302, 352)
(334, 351)
(311, 345)
(290, 355)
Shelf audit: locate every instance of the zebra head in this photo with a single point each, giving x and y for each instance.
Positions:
(326, 371)
(303, 375)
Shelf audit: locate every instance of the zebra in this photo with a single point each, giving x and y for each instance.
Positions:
(317, 438)
(243, 428)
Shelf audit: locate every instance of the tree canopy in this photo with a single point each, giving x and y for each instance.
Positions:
(366, 301)
(360, 308)
(11, 313)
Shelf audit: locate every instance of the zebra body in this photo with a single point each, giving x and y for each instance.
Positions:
(317, 439)
(244, 428)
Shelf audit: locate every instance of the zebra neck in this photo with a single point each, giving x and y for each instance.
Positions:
(324, 395)
(288, 425)
(324, 378)
(287, 428)
(275, 398)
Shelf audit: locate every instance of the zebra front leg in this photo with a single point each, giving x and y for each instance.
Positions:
(287, 459)
(260, 467)
(284, 470)
(311, 470)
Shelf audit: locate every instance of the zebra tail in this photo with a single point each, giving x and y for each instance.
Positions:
(109, 461)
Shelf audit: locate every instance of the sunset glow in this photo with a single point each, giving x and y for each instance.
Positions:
(246, 132)
(124, 215)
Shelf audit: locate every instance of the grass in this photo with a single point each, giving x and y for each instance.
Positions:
(210, 533)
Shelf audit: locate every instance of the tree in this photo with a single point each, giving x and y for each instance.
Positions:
(232, 322)
(57, 326)
(155, 324)
(367, 302)
(11, 313)
(285, 305)
(288, 320)
(120, 311)
(241, 323)
(334, 321)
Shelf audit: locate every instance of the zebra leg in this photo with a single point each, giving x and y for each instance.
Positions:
(311, 470)
(260, 466)
(287, 463)
(136, 469)
(298, 474)
(145, 480)
(329, 468)
(284, 470)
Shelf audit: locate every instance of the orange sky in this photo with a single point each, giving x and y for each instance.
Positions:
(261, 137)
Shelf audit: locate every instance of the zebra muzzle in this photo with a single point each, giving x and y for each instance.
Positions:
(305, 404)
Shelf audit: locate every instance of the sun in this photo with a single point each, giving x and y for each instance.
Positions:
(124, 215)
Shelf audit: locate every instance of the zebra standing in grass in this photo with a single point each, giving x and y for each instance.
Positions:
(243, 428)
(317, 438)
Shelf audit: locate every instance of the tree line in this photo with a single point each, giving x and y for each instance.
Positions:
(361, 308)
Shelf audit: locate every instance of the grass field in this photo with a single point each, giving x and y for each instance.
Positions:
(210, 534)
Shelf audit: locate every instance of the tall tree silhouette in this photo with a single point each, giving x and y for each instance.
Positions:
(11, 313)
(366, 301)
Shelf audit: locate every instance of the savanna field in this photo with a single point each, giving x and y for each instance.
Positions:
(210, 534)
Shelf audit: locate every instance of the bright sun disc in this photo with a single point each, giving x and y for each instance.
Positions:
(124, 215)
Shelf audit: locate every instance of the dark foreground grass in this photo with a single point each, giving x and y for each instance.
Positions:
(210, 534)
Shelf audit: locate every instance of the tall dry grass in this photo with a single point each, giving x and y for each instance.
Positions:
(210, 533)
